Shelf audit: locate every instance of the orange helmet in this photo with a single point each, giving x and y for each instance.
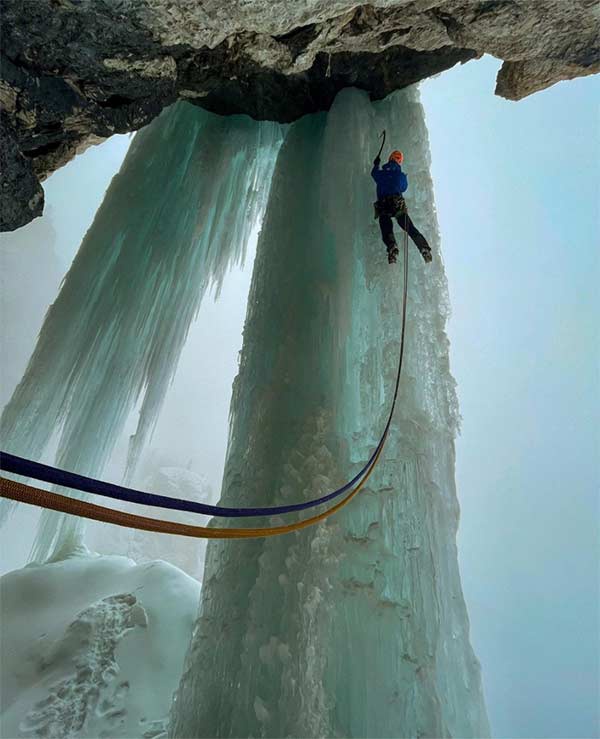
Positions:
(396, 156)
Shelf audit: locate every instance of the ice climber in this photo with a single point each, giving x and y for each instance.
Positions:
(391, 183)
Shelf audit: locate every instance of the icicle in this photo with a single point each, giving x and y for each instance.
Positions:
(356, 627)
(173, 221)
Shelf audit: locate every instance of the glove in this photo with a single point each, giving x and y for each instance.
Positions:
(377, 161)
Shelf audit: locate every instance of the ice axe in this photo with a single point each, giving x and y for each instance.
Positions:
(376, 162)
(382, 134)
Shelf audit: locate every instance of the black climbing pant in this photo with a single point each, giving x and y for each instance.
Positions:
(394, 206)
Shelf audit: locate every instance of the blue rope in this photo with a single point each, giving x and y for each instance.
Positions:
(45, 473)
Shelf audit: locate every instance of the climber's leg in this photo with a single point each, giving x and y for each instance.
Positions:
(387, 234)
(387, 230)
(405, 222)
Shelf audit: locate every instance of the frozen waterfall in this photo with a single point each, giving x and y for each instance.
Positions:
(356, 627)
(175, 218)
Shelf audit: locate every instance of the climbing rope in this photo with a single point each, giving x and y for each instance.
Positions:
(23, 493)
(30, 469)
(27, 468)
(35, 496)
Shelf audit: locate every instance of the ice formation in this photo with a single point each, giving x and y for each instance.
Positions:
(174, 219)
(92, 647)
(356, 627)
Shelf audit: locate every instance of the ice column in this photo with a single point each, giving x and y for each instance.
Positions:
(356, 627)
(174, 219)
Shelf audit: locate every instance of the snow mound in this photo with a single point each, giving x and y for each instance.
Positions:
(93, 646)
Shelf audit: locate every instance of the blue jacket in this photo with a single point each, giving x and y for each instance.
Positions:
(390, 179)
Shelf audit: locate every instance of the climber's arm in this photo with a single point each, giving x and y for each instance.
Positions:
(375, 171)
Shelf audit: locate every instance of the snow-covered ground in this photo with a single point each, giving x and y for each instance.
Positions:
(93, 646)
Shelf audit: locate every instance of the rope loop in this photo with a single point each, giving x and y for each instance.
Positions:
(29, 495)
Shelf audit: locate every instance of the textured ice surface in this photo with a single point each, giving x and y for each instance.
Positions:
(175, 218)
(356, 627)
(92, 647)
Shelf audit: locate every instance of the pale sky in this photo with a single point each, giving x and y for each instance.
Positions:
(517, 196)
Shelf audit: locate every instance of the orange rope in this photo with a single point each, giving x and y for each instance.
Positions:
(29, 495)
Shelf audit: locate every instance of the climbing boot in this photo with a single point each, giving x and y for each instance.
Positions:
(392, 254)
(426, 254)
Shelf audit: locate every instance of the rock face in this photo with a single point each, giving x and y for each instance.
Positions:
(74, 71)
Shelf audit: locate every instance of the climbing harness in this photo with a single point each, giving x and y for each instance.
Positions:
(390, 205)
(28, 494)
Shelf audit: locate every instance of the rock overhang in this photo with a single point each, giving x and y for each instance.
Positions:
(77, 71)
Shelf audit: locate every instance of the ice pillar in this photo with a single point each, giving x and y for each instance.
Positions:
(174, 219)
(356, 627)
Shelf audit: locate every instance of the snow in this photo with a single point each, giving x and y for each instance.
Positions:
(93, 646)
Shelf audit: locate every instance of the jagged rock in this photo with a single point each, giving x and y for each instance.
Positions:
(77, 71)
(21, 195)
